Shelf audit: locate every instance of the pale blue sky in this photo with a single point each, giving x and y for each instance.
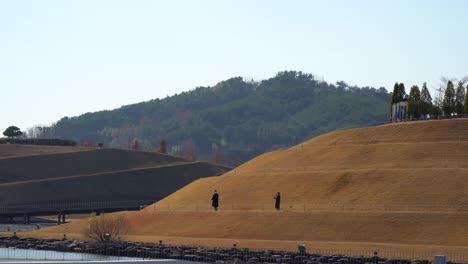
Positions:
(65, 58)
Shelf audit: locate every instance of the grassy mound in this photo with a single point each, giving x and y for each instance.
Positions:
(388, 186)
(43, 174)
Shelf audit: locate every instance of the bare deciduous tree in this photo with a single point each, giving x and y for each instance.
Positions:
(107, 227)
(464, 79)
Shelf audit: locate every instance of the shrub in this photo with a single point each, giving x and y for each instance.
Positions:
(107, 227)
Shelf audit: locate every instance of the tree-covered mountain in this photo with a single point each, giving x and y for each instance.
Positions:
(234, 119)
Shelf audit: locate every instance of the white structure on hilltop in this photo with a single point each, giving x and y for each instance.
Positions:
(399, 110)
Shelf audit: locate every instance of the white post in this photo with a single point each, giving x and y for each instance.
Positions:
(440, 259)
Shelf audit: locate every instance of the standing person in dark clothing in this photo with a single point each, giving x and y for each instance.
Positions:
(277, 201)
(215, 200)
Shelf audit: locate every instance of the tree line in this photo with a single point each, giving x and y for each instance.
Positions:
(449, 102)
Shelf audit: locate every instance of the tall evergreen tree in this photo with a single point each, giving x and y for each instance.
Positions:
(466, 100)
(391, 107)
(401, 92)
(395, 94)
(448, 104)
(425, 101)
(398, 93)
(413, 103)
(459, 99)
(394, 99)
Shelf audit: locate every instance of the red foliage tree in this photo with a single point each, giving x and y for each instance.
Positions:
(135, 145)
(162, 146)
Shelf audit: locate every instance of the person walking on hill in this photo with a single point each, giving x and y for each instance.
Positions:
(215, 200)
(277, 201)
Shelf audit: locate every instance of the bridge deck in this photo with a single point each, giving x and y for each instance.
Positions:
(72, 208)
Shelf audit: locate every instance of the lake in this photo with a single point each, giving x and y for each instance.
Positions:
(15, 255)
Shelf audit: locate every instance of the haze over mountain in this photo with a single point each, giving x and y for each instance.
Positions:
(235, 119)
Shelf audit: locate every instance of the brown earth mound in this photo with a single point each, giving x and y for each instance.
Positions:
(56, 165)
(395, 186)
(44, 174)
(138, 184)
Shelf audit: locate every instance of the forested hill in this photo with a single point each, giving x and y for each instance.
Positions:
(234, 120)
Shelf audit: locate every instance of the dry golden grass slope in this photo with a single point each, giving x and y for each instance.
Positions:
(392, 186)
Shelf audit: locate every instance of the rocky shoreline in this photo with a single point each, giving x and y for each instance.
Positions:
(199, 254)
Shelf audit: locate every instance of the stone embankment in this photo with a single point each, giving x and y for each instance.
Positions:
(198, 254)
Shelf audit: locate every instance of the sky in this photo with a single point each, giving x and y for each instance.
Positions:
(66, 58)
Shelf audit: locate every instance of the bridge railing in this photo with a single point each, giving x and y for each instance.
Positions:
(64, 207)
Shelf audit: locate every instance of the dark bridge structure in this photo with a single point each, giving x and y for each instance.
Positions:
(64, 208)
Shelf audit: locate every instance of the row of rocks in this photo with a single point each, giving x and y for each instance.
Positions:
(199, 254)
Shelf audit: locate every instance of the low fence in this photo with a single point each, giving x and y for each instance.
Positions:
(441, 139)
(310, 207)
